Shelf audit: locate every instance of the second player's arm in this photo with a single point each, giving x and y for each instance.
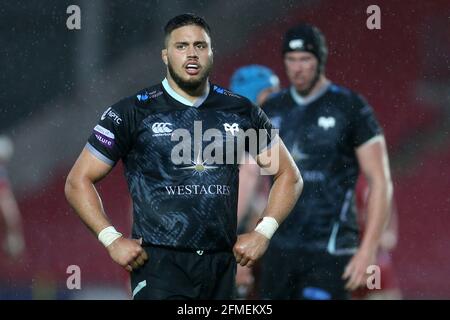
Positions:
(286, 189)
(374, 163)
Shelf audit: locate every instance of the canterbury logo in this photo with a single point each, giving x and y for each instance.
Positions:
(326, 123)
(161, 127)
(231, 128)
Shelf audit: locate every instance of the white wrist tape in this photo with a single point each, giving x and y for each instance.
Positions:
(108, 235)
(267, 227)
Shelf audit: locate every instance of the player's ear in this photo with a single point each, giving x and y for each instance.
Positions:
(164, 56)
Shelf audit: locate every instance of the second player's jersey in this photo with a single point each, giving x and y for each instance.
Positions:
(322, 135)
(177, 155)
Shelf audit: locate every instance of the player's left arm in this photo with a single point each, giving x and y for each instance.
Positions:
(374, 163)
(286, 189)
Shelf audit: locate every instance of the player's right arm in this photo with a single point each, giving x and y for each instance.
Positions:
(84, 199)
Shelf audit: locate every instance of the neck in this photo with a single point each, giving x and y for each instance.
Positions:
(191, 95)
(320, 83)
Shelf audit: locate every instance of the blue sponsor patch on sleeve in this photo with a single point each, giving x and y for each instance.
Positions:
(219, 90)
(142, 97)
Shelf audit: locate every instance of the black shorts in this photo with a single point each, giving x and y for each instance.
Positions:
(303, 275)
(176, 274)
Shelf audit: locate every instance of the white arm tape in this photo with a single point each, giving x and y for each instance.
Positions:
(108, 235)
(267, 227)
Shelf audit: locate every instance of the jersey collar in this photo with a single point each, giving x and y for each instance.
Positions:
(304, 101)
(182, 99)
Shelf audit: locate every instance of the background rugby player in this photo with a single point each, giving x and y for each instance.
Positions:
(332, 134)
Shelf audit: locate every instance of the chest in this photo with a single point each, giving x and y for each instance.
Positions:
(191, 136)
(318, 131)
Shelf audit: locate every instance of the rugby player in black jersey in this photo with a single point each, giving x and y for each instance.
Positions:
(176, 139)
(332, 134)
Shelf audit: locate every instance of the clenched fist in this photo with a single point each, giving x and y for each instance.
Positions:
(128, 253)
(249, 247)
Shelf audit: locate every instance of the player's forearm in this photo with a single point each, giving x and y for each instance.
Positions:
(284, 194)
(84, 199)
(379, 203)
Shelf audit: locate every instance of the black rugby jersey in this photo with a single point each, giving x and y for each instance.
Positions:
(177, 164)
(321, 135)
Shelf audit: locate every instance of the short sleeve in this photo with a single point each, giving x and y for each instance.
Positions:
(364, 125)
(112, 135)
(266, 134)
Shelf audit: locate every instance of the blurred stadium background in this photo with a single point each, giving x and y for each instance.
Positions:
(55, 84)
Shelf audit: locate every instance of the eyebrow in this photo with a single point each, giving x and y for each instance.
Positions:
(195, 42)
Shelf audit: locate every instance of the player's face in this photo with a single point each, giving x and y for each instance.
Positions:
(188, 56)
(301, 69)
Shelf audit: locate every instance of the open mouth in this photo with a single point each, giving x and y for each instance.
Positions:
(192, 68)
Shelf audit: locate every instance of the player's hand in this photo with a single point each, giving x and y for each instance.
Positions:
(128, 253)
(249, 247)
(356, 270)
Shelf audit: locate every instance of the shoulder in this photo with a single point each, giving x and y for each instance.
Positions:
(349, 100)
(147, 97)
(346, 94)
(228, 97)
(240, 105)
(231, 102)
(275, 99)
(277, 102)
(141, 100)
